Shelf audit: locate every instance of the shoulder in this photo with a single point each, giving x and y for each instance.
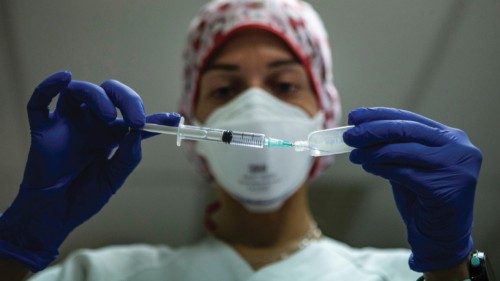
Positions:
(392, 263)
(366, 253)
(108, 263)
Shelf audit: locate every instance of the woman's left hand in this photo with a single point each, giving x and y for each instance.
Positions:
(433, 170)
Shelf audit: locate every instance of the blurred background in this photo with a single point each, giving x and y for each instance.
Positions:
(437, 58)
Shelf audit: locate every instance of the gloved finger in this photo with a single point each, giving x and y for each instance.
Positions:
(119, 129)
(410, 154)
(71, 107)
(66, 105)
(409, 177)
(91, 96)
(366, 114)
(126, 158)
(43, 94)
(164, 118)
(128, 101)
(394, 131)
(405, 200)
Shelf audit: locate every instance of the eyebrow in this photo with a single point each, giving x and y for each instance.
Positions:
(222, 66)
(278, 63)
(234, 67)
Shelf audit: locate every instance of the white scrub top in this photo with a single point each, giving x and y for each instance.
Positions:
(212, 259)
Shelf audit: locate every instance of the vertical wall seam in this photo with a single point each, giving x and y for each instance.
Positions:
(436, 54)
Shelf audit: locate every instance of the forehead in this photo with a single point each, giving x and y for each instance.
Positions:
(258, 43)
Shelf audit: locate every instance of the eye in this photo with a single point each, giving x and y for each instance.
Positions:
(222, 93)
(285, 88)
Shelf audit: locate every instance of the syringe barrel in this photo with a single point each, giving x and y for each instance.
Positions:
(248, 139)
(203, 133)
(200, 133)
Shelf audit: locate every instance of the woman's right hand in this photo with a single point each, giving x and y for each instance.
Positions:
(69, 175)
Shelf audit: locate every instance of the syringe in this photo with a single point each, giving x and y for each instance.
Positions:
(218, 135)
(318, 143)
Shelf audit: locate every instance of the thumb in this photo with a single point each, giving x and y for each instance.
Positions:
(126, 158)
(163, 118)
(405, 200)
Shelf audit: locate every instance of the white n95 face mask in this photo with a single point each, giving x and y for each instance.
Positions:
(260, 179)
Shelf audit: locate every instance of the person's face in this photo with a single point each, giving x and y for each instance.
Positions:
(254, 58)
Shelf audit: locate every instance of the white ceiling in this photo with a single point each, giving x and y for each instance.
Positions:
(438, 58)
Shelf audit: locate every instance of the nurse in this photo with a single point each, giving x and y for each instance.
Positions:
(261, 66)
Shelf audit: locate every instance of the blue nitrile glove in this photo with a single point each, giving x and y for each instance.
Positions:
(433, 170)
(68, 176)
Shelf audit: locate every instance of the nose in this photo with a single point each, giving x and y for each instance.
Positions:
(255, 81)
